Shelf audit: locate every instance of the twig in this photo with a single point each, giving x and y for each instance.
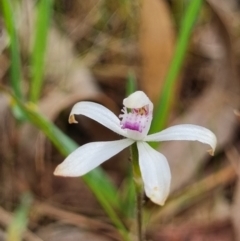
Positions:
(43, 209)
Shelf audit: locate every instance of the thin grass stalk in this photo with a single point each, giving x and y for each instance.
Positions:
(164, 102)
(16, 75)
(44, 14)
(18, 226)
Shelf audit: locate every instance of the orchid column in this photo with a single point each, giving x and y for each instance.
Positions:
(150, 167)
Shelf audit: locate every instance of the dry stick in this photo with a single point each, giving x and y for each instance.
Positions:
(6, 219)
(234, 157)
(43, 209)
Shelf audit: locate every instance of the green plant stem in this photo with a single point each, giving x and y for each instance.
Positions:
(139, 197)
(131, 85)
(164, 103)
(139, 191)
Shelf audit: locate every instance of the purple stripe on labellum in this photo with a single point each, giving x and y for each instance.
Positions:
(132, 126)
(136, 119)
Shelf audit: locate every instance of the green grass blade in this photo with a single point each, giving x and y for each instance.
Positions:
(97, 180)
(131, 85)
(127, 197)
(8, 15)
(164, 103)
(19, 223)
(44, 13)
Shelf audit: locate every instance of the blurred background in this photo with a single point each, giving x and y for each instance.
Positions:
(185, 54)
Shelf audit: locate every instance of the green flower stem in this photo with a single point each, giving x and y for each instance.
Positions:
(139, 190)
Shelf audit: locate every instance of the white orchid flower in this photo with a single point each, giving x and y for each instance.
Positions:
(134, 124)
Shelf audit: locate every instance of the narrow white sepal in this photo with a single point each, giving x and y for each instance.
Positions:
(98, 113)
(89, 156)
(155, 172)
(186, 132)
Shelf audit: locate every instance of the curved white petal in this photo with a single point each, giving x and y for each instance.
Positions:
(185, 132)
(89, 156)
(155, 172)
(98, 113)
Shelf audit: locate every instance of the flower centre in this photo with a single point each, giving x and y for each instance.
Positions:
(136, 119)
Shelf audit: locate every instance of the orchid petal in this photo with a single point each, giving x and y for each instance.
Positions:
(137, 99)
(98, 113)
(155, 172)
(89, 156)
(185, 132)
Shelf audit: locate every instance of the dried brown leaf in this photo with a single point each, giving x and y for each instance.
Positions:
(156, 40)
